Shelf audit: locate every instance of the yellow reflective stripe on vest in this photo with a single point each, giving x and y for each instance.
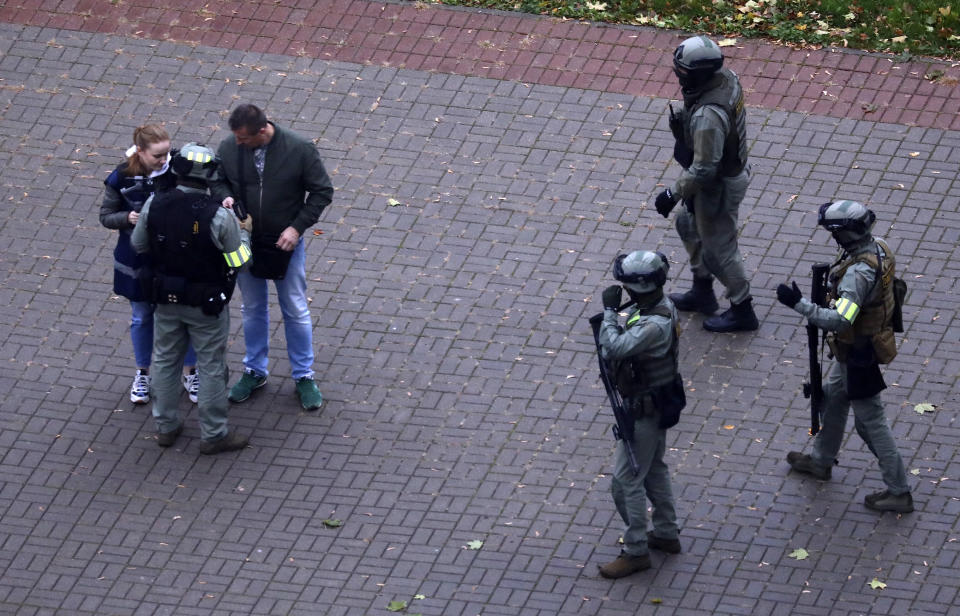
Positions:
(636, 317)
(847, 309)
(238, 257)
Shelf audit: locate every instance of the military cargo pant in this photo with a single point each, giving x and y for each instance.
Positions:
(870, 422)
(630, 492)
(710, 235)
(174, 327)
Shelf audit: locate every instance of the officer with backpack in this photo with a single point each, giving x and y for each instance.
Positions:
(859, 317)
(643, 357)
(197, 247)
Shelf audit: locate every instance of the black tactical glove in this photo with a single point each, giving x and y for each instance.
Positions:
(611, 297)
(665, 202)
(787, 296)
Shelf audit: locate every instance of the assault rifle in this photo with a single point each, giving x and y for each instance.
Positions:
(681, 153)
(813, 388)
(623, 429)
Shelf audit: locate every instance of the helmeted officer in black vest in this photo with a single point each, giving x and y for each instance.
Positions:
(197, 247)
(711, 146)
(859, 317)
(644, 358)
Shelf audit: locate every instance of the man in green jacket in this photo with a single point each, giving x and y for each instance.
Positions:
(280, 179)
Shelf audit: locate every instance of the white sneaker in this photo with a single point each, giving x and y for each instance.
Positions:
(140, 390)
(191, 382)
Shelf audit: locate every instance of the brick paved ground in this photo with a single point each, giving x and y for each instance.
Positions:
(463, 402)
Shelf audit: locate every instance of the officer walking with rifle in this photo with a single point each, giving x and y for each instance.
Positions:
(711, 146)
(638, 365)
(860, 314)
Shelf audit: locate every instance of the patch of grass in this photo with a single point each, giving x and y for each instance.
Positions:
(907, 28)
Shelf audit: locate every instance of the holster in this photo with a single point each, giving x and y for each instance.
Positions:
(864, 378)
(670, 399)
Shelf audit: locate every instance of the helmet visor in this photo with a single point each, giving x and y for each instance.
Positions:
(856, 225)
(656, 276)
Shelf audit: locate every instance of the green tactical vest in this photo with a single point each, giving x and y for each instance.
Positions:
(635, 377)
(875, 320)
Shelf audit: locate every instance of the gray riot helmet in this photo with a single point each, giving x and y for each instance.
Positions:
(195, 162)
(695, 62)
(641, 271)
(849, 222)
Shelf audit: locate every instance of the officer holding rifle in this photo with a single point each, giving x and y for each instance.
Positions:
(639, 368)
(860, 315)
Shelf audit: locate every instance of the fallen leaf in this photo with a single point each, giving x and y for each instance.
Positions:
(476, 544)
(393, 202)
(924, 407)
(727, 42)
(915, 471)
(333, 523)
(419, 596)
(396, 606)
(914, 154)
(875, 584)
(317, 232)
(799, 554)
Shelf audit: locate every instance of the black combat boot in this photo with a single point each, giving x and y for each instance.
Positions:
(737, 318)
(803, 463)
(698, 299)
(885, 501)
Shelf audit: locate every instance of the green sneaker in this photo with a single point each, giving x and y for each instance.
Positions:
(310, 397)
(248, 383)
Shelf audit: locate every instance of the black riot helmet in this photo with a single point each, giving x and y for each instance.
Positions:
(641, 271)
(695, 62)
(849, 222)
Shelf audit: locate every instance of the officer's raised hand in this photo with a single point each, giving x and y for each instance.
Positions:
(665, 202)
(611, 297)
(788, 296)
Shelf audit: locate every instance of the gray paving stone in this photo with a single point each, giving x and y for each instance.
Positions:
(462, 398)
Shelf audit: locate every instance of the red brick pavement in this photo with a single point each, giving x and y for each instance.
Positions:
(524, 48)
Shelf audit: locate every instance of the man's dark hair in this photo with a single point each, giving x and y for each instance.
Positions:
(250, 117)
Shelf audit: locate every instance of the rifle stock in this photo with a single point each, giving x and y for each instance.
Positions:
(623, 429)
(813, 389)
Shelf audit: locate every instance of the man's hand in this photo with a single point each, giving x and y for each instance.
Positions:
(611, 297)
(227, 203)
(288, 239)
(133, 217)
(788, 296)
(247, 223)
(665, 202)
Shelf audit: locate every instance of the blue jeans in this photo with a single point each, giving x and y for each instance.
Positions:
(297, 326)
(630, 492)
(870, 423)
(141, 335)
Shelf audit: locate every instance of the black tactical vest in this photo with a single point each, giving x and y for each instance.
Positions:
(728, 95)
(636, 377)
(189, 268)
